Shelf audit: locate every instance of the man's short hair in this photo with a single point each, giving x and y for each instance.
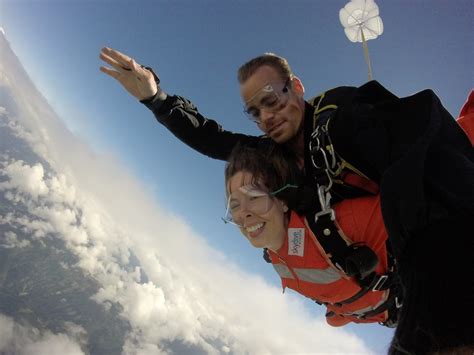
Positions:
(280, 64)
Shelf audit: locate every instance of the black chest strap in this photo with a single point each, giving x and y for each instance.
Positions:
(355, 260)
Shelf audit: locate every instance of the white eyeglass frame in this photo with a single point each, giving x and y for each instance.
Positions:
(269, 88)
(271, 195)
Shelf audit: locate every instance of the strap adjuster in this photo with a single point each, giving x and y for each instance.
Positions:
(380, 282)
(324, 200)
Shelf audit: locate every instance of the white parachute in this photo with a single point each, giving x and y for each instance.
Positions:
(362, 22)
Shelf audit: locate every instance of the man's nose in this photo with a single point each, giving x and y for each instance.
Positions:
(266, 116)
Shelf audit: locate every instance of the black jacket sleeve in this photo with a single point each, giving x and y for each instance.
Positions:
(182, 118)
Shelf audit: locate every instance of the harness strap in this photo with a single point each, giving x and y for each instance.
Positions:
(338, 251)
(326, 160)
(354, 260)
(328, 236)
(378, 283)
(391, 303)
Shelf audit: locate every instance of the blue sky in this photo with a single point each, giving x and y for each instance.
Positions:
(196, 48)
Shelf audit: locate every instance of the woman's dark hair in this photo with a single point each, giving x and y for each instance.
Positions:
(270, 165)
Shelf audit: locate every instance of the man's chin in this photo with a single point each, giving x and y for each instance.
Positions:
(280, 138)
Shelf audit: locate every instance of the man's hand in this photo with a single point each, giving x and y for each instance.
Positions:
(138, 81)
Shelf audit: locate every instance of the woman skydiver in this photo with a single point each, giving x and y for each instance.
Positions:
(355, 286)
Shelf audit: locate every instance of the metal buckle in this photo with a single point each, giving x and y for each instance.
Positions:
(380, 282)
(320, 140)
(315, 147)
(322, 213)
(324, 199)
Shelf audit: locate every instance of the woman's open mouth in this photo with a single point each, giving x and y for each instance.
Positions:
(254, 230)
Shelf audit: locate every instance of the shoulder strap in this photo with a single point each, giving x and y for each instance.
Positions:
(328, 165)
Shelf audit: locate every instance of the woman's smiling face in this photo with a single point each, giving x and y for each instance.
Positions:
(261, 217)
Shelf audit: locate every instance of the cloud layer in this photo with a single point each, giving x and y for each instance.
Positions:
(26, 340)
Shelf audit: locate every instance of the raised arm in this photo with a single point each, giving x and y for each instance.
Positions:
(176, 113)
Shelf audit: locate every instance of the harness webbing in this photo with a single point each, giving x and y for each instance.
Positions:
(330, 170)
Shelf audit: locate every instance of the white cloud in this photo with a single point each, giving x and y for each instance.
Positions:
(11, 241)
(26, 178)
(35, 227)
(26, 340)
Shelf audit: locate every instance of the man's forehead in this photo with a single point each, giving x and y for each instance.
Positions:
(261, 77)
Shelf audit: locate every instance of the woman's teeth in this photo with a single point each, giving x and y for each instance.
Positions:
(254, 227)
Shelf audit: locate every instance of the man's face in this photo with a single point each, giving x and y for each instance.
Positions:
(285, 123)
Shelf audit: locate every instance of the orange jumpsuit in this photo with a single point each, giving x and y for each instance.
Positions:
(304, 266)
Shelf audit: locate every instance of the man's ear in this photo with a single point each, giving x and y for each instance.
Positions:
(297, 86)
(285, 208)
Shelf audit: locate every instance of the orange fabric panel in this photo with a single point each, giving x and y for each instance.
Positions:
(361, 221)
(361, 182)
(466, 117)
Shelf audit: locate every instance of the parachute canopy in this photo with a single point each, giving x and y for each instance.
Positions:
(361, 20)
